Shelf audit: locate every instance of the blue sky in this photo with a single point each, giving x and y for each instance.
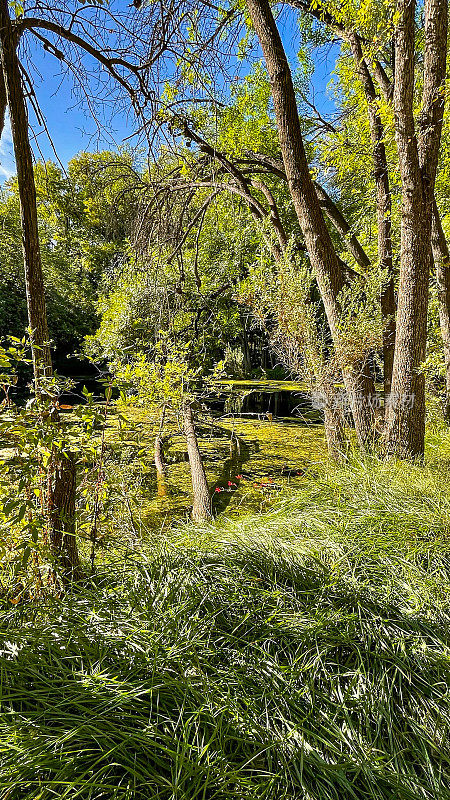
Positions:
(72, 128)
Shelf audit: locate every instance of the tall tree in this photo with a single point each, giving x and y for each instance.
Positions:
(418, 154)
(249, 176)
(34, 282)
(383, 202)
(352, 38)
(61, 488)
(418, 149)
(326, 265)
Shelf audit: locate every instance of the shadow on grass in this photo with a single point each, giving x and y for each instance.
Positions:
(244, 675)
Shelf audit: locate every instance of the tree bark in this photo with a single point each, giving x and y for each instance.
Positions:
(37, 315)
(61, 494)
(418, 162)
(160, 467)
(334, 422)
(159, 456)
(384, 225)
(327, 268)
(160, 464)
(3, 102)
(201, 508)
(159, 452)
(441, 258)
(61, 516)
(334, 433)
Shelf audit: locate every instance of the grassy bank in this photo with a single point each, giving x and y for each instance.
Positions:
(299, 654)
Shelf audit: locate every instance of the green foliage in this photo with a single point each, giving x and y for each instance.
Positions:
(82, 230)
(166, 380)
(301, 653)
(35, 437)
(185, 302)
(361, 323)
(248, 121)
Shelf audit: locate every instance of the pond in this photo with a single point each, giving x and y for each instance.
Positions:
(252, 455)
(253, 397)
(249, 462)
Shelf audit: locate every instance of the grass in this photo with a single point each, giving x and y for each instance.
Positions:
(301, 654)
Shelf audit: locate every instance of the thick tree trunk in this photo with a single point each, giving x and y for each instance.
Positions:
(201, 508)
(61, 516)
(388, 311)
(441, 258)
(62, 481)
(418, 162)
(334, 423)
(324, 261)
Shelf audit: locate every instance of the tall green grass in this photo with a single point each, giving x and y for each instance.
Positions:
(303, 654)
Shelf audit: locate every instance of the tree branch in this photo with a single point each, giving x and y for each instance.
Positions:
(110, 63)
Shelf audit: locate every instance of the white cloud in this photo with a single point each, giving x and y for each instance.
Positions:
(7, 162)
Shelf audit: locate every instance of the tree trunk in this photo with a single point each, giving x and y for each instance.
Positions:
(159, 452)
(441, 258)
(334, 424)
(37, 316)
(326, 265)
(201, 508)
(418, 163)
(160, 464)
(61, 516)
(384, 226)
(61, 484)
(159, 457)
(3, 102)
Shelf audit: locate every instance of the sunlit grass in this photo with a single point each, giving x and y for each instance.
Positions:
(299, 654)
(302, 653)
